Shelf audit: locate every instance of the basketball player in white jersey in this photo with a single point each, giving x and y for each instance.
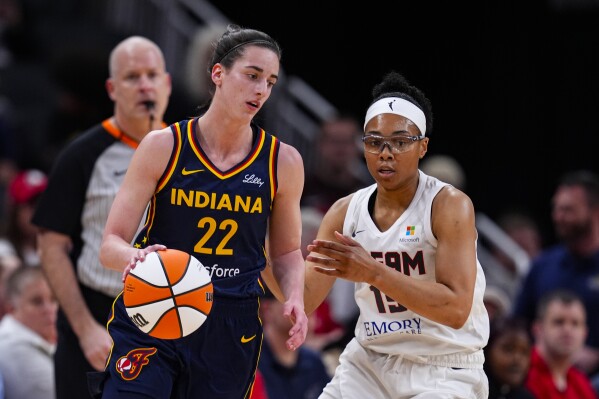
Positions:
(409, 243)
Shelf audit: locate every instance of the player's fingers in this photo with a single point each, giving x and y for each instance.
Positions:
(301, 320)
(291, 345)
(128, 269)
(294, 341)
(156, 247)
(297, 335)
(327, 271)
(141, 255)
(321, 260)
(328, 246)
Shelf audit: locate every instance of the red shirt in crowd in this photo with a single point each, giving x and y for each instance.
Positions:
(540, 382)
(259, 389)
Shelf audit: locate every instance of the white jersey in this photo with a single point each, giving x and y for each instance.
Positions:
(409, 246)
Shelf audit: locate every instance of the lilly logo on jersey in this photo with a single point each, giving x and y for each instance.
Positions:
(252, 179)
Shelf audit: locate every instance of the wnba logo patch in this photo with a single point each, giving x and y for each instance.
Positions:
(130, 366)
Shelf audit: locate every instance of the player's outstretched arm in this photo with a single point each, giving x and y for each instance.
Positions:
(284, 240)
(146, 167)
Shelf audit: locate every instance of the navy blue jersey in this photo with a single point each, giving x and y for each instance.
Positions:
(220, 217)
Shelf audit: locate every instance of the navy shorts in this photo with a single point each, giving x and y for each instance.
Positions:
(219, 360)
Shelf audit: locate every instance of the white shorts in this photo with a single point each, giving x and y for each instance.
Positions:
(363, 373)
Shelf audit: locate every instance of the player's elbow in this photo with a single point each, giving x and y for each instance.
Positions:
(458, 322)
(104, 254)
(459, 316)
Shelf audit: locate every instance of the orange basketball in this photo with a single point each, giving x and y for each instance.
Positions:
(168, 295)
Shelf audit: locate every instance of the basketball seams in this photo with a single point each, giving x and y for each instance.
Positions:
(199, 287)
(168, 276)
(146, 281)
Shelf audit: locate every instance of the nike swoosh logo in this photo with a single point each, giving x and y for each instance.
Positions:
(245, 340)
(356, 232)
(120, 172)
(186, 172)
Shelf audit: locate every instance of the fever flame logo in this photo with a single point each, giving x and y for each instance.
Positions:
(130, 366)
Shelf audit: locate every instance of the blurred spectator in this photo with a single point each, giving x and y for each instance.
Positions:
(28, 336)
(9, 262)
(505, 269)
(299, 374)
(445, 168)
(497, 302)
(559, 333)
(259, 389)
(338, 169)
(10, 17)
(573, 263)
(525, 233)
(8, 171)
(507, 359)
(524, 230)
(24, 192)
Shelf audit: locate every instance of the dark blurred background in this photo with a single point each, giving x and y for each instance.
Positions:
(513, 84)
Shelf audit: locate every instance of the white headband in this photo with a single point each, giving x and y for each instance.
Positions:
(398, 106)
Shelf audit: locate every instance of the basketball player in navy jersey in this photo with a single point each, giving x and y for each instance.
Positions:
(408, 242)
(217, 187)
(73, 209)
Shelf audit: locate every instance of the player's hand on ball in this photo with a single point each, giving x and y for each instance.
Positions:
(140, 256)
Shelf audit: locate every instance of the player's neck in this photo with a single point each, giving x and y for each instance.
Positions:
(224, 141)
